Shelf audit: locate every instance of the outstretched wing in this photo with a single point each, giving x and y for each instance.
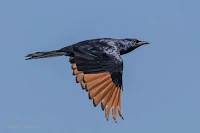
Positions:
(100, 73)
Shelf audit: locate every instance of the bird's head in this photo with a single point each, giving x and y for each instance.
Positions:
(136, 42)
(131, 44)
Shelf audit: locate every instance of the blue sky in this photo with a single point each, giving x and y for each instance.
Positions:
(161, 80)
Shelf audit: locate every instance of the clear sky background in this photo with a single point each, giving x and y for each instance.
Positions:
(161, 80)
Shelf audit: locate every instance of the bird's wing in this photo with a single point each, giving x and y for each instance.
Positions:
(100, 73)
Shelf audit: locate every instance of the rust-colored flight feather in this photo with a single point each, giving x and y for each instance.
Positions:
(119, 105)
(76, 72)
(79, 77)
(107, 98)
(105, 88)
(74, 66)
(90, 77)
(83, 85)
(110, 103)
(97, 82)
(100, 88)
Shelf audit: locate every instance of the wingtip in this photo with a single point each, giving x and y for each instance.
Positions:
(114, 118)
(94, 103)
(102, 106)
(89, 96)
(76, 79)
(83, 86)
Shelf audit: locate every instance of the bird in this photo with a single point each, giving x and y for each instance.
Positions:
(98, 67)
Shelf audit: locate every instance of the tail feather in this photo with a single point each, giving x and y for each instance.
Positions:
(38, 55)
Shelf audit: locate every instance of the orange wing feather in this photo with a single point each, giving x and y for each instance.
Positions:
(101, 88)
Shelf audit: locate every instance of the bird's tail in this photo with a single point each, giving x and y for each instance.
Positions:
(38, 55)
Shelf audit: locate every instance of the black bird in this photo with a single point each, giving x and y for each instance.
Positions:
(98, 67)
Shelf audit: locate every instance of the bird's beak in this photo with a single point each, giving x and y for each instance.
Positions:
(142, 43)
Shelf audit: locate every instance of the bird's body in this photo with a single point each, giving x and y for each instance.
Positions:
(98, 67)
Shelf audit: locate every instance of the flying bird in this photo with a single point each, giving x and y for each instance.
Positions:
(98, 67)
